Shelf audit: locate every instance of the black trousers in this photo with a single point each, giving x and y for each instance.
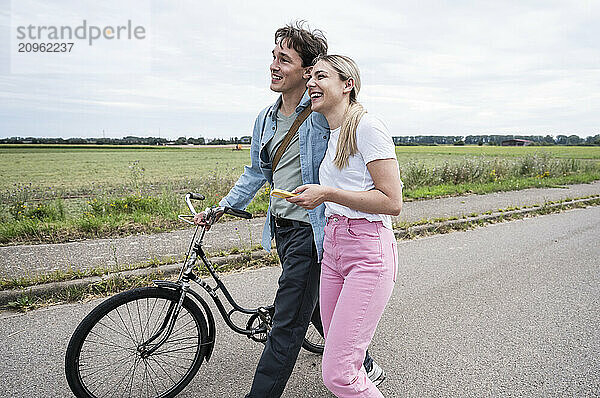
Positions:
(296, 303)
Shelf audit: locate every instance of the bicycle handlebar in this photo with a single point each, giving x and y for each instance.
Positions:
(211, 212)
(237, 212)
(195, 196)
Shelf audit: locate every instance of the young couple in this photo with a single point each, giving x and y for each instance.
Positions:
(343, 166)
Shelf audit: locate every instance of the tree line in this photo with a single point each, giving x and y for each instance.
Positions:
(495, 139)
(398, 140)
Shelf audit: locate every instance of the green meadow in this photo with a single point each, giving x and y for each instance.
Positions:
(60, 193)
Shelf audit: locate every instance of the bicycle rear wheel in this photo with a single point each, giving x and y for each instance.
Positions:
(105, 356)
(313, 340)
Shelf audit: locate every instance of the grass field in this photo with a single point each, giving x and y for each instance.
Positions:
(81, 169)
(54, 193)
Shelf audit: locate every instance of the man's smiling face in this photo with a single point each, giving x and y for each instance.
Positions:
(287, 73)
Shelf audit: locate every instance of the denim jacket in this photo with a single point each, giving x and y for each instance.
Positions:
(313, 137)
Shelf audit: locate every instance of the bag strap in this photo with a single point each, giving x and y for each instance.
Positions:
(264, 121)
(290, 134)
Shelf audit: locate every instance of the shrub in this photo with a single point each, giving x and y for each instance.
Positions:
(125, 205)
(88, 223)
(483, 169)
(42, 211)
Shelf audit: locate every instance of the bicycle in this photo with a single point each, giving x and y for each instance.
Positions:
(151, 341)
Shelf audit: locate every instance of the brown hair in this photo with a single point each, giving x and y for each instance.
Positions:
(308, 43)
(346, 69)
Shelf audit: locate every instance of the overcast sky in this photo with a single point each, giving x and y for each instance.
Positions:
(428, 67)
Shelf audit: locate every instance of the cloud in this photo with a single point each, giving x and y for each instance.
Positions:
(430, 67)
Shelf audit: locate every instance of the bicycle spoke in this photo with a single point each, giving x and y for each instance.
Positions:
(101, 369)
(161, 368)
(110, 372)
(180, 349)
(149, 316)
(131, 321)
(100, 386)
(105, 353)
(176, 341)
(102, 366)
(144, 381)
(152, 379)
(118, 326)
(126, 328)
(176, 365)
(107, 343)
(112, 329)
(159, 319)
(140, 319)
(105, 362)
(130, 383)
(176, 357)
(181, 327)
(124, 377)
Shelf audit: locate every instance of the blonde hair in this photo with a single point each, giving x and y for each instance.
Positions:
(346, 146)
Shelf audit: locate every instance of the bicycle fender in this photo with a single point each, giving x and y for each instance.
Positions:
(208, 313)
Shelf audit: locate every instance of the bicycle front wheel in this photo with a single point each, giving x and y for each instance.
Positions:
(106, 356)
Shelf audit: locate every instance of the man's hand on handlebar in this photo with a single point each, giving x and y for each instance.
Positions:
(208, 217)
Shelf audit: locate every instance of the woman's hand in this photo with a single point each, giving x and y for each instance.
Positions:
(310, 195)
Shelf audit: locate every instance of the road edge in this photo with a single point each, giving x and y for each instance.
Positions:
(165, 271)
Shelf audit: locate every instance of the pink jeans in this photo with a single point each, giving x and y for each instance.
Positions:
(358, 272)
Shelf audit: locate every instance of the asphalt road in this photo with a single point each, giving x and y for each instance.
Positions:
(512, 309)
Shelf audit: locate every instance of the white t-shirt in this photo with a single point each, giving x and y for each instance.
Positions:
(373, 141)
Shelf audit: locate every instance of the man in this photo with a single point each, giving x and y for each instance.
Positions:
(298, 232)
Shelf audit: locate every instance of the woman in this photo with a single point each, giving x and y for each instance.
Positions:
(361, 188)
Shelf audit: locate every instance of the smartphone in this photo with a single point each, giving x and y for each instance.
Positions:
(280, 193)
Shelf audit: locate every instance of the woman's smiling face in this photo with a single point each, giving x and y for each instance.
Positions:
(325, 87)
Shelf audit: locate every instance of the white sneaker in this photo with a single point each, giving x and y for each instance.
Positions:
(376, 374)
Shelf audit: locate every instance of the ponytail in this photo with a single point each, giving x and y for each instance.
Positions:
(346, 145)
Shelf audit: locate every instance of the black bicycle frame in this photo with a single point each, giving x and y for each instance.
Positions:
(220, 286)
(182, 285)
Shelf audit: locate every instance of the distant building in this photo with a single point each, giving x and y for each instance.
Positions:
(516, 142)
